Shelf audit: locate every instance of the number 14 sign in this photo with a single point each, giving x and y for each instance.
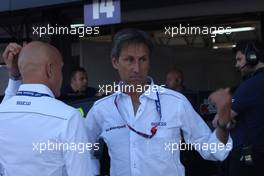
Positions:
(101, 12)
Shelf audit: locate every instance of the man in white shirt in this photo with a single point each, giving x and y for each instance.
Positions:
(39, 135)
(141, 122)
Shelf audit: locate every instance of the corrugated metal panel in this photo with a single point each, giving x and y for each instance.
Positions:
(9, 5)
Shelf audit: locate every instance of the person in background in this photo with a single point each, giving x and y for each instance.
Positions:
(175, 80)
(78, 86)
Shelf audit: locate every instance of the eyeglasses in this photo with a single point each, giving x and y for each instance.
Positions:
(154, 129)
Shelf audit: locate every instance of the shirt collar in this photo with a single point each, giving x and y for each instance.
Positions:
(151, 92)
(40, 88)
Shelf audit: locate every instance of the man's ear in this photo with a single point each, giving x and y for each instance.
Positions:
(49, 70)
(115, 62)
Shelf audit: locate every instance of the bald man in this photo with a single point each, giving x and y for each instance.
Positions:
(40, 135)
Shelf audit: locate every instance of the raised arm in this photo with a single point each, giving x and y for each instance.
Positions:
(10, 57)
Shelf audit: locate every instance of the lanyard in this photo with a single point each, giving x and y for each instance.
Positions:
(154, 129)
(32, 94)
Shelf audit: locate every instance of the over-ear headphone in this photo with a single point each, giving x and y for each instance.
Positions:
(252, 54)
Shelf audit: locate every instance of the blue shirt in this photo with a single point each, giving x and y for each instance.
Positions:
(248, 103)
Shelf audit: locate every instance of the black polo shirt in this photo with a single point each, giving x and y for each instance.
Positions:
(248, 102)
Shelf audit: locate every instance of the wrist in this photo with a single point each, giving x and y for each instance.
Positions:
(15, 76)
(225, 126)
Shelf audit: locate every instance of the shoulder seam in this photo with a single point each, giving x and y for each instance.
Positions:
(38, 113)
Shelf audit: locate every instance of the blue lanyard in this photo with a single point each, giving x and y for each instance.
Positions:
(154, 129)
(32, 94)
(158, 106)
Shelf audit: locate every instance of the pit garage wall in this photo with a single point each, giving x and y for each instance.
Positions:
(10, 5)
(195, 9)
(3, 73)
(3, 80)
(204, 69)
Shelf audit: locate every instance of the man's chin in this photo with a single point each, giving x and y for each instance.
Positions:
(136, 82)
(83, 89)
(246, 74)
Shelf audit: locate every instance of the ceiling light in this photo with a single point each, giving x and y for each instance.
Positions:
(76, 25)
(230, 30)
(227, 46)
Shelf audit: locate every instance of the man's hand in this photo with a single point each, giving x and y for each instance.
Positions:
(214, 122)
(10, 57)
(222, 100)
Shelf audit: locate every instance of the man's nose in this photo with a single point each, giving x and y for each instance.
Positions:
(237, 65)
(136, 67)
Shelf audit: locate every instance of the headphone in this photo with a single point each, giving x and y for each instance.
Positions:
(252, 54)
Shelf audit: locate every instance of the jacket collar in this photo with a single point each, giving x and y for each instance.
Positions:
(39, 88)
(151, 92)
